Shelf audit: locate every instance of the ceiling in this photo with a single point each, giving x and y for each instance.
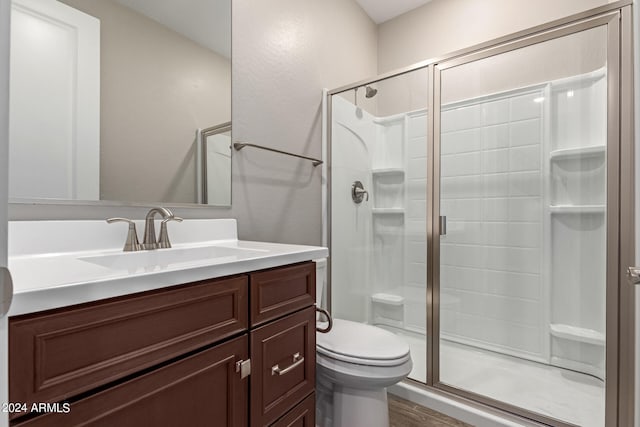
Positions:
(383, 10)
(206, 22)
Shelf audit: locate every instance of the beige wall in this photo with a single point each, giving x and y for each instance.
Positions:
(443, 26)
(157, 88)
(568, 56)
(285, 52)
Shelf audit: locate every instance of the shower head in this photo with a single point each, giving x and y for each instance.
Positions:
(371, 92)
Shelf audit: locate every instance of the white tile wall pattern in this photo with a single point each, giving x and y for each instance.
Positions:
(491, 192)
(415, 287)
(502, 287)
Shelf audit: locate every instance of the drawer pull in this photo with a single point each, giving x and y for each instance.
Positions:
(297, 361)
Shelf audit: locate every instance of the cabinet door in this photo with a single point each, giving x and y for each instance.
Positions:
(281, 291)
(283, 365)
(59, 354)
(302, 415)
(201, 390)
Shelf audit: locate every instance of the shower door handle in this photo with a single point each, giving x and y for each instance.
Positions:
(633, 274)
(443, 225)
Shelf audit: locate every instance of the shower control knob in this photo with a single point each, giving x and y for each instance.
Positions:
(358, 192)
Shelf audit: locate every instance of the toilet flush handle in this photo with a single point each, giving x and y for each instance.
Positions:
(329, 320)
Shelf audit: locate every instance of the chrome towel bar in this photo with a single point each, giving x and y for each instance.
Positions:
(240, 145)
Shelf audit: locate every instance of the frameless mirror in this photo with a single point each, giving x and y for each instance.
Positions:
(109, 98)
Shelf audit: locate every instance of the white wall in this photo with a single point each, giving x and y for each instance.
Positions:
(416, 222)
(492, 286)
(353, 136)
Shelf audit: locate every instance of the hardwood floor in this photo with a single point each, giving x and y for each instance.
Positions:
(403, 413)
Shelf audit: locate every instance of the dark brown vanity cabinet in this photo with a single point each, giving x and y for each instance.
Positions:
(283, 363)
(185, 355)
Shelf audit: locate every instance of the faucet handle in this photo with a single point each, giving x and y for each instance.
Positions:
(131, 244)
(163, 239)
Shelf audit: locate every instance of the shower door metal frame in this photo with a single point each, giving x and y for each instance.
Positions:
(616, 413)
(620, 305)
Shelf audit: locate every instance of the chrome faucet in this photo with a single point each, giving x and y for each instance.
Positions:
(149, 241)
(131, 244)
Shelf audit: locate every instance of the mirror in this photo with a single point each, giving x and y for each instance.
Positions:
(109, 100)
(215, 162)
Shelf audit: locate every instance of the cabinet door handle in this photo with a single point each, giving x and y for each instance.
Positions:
(633, 274)
(297, 361)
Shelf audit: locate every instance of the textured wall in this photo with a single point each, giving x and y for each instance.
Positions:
(285, 52)
(443, 26)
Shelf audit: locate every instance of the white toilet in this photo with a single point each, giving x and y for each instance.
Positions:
(355, 363)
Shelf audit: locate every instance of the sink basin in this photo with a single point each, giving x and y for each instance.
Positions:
(163, 258)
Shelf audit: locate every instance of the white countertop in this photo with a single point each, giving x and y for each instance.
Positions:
(60, 263)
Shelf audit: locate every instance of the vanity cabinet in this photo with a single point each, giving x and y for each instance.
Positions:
(200, 390)
(283, 363)
(196, 354)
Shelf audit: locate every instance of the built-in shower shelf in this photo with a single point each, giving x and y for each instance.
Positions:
(387, 211)
(577, 209)
(576, 333)
(387, 299)
(578, 152)
(387, 171)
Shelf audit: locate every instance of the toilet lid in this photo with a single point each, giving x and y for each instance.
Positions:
(360, 343)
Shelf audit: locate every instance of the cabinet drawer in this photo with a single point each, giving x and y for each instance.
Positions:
(303, 415)
(58, 354)
(283, 363)
(281, 291)
(201, 390)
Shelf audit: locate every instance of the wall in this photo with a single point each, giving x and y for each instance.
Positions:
(5, 8)
(157, 88)
(353, 246)
(284, 53)
(491, 256)
(636, 64)
(443, 26)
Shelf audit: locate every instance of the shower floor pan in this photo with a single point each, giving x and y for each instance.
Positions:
(556, 392)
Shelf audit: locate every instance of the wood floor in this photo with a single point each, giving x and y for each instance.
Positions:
(403, 413)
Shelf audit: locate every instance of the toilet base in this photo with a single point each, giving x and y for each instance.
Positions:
(360, 408)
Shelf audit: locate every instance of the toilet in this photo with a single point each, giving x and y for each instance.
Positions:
(355, 363)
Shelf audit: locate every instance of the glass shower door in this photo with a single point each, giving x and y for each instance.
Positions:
(378, 208)
(523, 147)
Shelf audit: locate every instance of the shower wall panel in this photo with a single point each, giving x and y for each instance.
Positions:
(416, 228)
(492, 293)
(353, 134)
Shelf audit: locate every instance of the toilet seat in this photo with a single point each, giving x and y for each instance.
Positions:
(362, 344)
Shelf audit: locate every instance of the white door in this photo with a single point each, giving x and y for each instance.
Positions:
(54, 102)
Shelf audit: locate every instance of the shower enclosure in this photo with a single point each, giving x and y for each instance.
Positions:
(478, 208)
